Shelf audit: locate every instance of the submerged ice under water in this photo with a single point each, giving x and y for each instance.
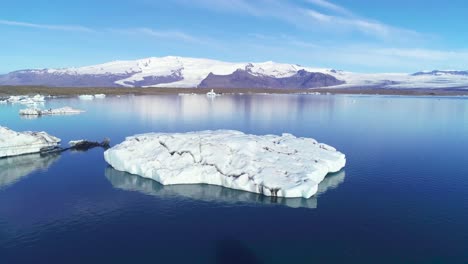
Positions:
(401, 199)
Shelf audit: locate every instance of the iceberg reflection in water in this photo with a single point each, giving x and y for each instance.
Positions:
(12, 169)
(213, 193)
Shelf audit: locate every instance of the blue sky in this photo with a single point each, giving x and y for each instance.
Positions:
(354, 35)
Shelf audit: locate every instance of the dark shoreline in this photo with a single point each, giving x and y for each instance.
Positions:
(73, 91)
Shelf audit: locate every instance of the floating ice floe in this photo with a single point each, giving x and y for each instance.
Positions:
(38, 98)
(14, 143)
(211, 94)
(25, 99)
(99, 96)
(86, 97)
(58, 111)
(283, 166)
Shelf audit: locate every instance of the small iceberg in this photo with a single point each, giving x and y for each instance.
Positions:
(211, 94)
(278, 166)
(14, 143)
(99, 96)
(86, 97)
(38, 98)
(58, 111)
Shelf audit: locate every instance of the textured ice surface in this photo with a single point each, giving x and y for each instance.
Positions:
(18, 143)
(58, 111)
(284, 166)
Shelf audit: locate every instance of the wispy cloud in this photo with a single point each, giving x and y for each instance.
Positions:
(46, 26)
(368, 27)
(331, 6)
(333, 19)
(174, 35)
(171, 34)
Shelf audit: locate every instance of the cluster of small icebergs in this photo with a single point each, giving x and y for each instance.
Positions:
(277, 166)
(58, 111)
(91, 96)
(24, 99)
(14, 143)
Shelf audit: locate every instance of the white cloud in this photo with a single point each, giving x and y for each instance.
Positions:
(337, 20)
(46, 26)
(331, 6)
(167, 34)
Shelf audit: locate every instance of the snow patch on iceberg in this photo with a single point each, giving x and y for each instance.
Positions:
(283, 166)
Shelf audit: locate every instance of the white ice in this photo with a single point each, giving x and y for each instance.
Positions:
(86, 97)
(14, 143)
(57, 111)
(284, 166)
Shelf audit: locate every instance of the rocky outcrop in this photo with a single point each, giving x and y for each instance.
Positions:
(245, 79)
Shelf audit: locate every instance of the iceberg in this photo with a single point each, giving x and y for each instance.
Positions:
(213, 193)
(99, 96)
(211, 94)
(38, 98)
(58, 111)
(86, 97)
(14, 143)
(26, 100)
(279, 166)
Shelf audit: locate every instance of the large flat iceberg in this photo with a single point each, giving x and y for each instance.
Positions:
(14, 143)
(283, 166)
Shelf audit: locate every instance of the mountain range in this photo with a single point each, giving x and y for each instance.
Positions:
(185, 72)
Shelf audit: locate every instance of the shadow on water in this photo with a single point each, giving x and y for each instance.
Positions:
(13, 169)
(213, 193)
(233, 251)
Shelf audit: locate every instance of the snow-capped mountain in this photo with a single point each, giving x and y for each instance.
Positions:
(193, 72)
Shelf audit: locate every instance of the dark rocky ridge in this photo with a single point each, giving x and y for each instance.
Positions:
(244, 79)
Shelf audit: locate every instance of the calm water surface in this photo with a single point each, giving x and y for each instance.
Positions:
(402, 198)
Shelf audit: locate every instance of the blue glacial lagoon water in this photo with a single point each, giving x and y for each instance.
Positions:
(402, 198)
